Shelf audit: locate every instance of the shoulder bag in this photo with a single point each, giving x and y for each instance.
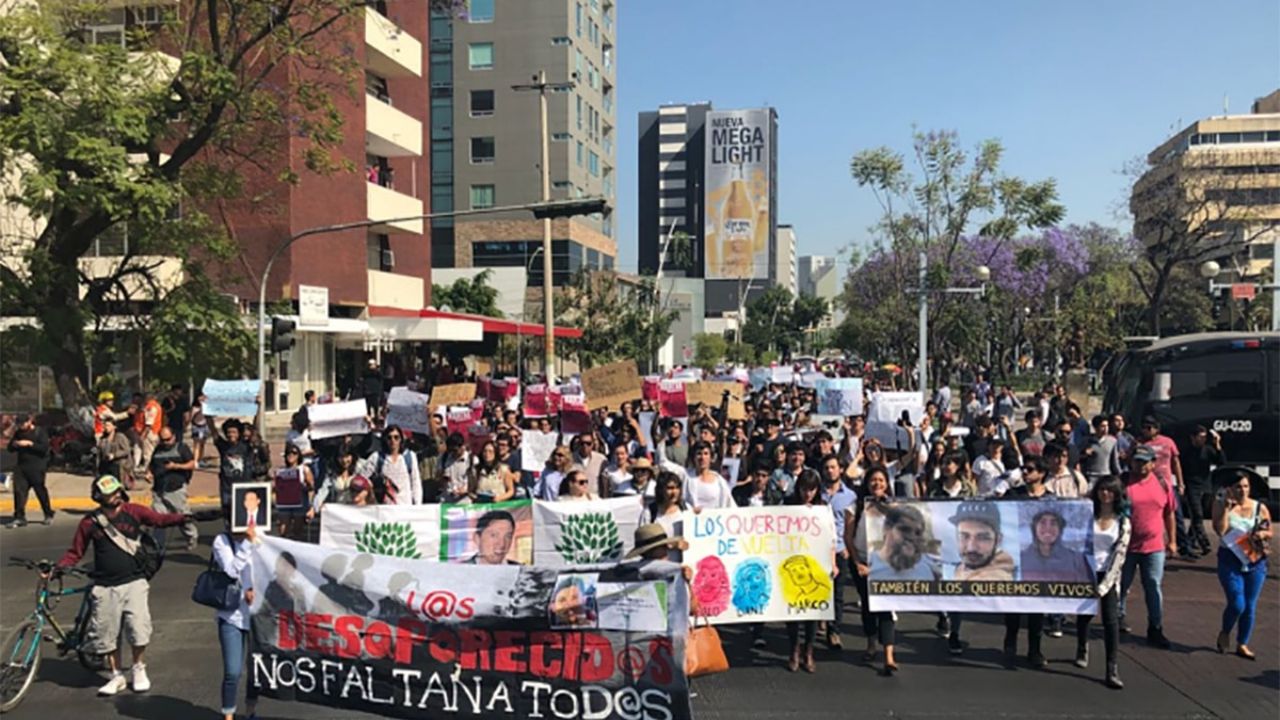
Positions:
(145, 550)
(215, 588)
(704, 653)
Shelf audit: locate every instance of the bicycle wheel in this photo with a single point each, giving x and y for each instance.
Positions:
(20, 655)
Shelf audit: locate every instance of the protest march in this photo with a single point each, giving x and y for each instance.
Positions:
(584, 548)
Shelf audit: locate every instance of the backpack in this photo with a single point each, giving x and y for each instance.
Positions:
(145, 550)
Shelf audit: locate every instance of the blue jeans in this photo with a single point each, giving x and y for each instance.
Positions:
(1180, 523)
(1152, 567)
(1242, 589)
(235, 643)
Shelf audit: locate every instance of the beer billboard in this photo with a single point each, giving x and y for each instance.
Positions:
(737, 197)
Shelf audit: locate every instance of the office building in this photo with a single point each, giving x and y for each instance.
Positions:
(485, 135)
(784, 264)
(1219, 180)
(818, 277)
(711, 174)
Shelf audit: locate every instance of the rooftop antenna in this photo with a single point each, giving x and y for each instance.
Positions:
(1226, 104)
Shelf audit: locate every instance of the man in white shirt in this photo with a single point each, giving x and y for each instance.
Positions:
(989, 470)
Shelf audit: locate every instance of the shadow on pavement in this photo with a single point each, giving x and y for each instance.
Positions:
(68, 672)
(1266, 678)
(163, 707)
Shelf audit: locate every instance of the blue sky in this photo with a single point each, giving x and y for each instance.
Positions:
(1073, 88)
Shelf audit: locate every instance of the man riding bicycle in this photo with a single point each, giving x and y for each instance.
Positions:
(121, 587)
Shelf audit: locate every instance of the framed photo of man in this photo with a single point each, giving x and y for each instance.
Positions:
(251, 505)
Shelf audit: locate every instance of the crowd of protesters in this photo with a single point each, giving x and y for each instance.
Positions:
(1150, 498)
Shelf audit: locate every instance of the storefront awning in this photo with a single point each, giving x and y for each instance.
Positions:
(490, 326)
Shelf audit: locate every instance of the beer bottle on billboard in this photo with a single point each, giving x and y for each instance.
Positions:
(739, 221)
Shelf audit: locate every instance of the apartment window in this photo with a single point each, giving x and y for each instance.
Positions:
(480, 56)
(577, 62)
(579, 103)
(562, 185)
(482, 150)
(561, 137)
(561, 40)
(481, 103)
(580, 153)
(481, 11)
(593, 162)
(441, 159)
(481, 197)
(379, 255)
(577, 20)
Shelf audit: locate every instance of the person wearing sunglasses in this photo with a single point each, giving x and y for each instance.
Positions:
(576, 486)
(558, 466)
(395, 470)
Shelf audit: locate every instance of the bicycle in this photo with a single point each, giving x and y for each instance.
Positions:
(20, 653)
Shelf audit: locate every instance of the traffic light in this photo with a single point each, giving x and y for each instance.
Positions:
(282, 334)
(569, 208)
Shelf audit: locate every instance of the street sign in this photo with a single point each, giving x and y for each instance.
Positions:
(313, 306)
(1243, 291)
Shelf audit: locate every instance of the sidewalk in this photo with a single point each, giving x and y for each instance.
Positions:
(71, 492)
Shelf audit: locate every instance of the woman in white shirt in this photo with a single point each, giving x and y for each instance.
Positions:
(231, 554)
(576, 486)
(704, 487)
(1110, 544)
(401, 484)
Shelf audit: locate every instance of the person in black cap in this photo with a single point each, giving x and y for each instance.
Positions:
(978, 538)
(1153, 538)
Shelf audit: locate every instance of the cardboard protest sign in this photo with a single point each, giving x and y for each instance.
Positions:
(646, 425)
(487, 533)
(839, 396)
(537, 401)
(455, 394)
(340, 418)
(484, 387)
(672, 399)
(1008, 567)
(535, 449)
(584, 533)
(407, 531)
(408, 409)
(231, 398)
(574, 418)
(885, 412)
(762, 564)
(611, 385)
(711, 393)
(398, 637)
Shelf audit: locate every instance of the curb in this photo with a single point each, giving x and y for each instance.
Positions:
(86, 504)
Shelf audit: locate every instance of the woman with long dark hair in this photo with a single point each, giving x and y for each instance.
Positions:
(491, 480)
(1110, 543)
(806, 493)
(1244, 525)
(867, 515)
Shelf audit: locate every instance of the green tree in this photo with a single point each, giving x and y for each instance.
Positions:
(475, 296)
(709, 349)
(618, 321)
(101, 138)
(195, 332)
(769, 321)
(955, 193)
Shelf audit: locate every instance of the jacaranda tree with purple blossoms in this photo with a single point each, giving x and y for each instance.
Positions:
(955, 194)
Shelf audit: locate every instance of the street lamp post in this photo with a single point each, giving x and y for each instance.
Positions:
(528, 268)
(1210, 270)
(984, 274)
(559, 208)
(541, 85)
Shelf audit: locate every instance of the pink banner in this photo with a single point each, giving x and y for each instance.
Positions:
(574, 418)
(483, 388)
(459, 419)
(672, 399)
(537, 401)
(477, 410)
(649, 390)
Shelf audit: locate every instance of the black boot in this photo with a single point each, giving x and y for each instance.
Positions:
(1082, 656)
(1113, 677)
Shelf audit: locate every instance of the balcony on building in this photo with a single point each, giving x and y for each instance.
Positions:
(390, 132)
(385, 203)
(389, 50)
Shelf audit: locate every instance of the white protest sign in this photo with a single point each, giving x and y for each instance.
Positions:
(535, 449)
(839, 396)
(340, 418)
(408, 531)
(885, 412)
(584, 533)
(408, 409)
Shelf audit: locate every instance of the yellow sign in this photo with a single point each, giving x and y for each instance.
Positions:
(611, 385)
(455, 394)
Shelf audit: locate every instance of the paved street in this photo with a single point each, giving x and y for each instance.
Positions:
(1192, 681)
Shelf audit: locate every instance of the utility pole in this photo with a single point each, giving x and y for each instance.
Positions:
(922, 365)
(548, 311)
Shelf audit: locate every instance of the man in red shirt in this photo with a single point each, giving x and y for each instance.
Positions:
(1152, 504)
(120, 590)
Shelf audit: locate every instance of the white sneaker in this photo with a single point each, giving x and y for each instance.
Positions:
(114, 685)
(141, 683)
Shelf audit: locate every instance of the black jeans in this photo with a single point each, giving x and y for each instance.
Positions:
(1035, 627)
(26, 480)
(877, 625)
(1196, 493)
(1110, 624)
(810, 628)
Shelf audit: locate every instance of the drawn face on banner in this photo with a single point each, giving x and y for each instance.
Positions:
(751, 586)
(804, 584)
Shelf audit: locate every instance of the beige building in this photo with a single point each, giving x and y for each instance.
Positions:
(1217, 183)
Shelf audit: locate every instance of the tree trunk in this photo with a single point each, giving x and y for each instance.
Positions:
(63, 323)
(1158, 292)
